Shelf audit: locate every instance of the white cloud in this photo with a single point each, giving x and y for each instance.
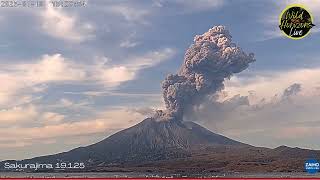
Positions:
(51, 118)
(130, 14)
(60, 25)
(27, 115)
(116, 75)
(128, 44)
(110, 93)
(49, 126)
(199, 5)
(267, 84)
(49, 68)
(66, 102)
(189, 6)
(9, 86)
(112, 76)
(17, 115)
(150, 59)
(21, 80)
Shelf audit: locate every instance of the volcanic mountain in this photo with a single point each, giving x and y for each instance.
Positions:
(178, 146)
(149, 140)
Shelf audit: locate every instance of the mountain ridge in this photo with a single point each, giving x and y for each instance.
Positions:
(178, 146)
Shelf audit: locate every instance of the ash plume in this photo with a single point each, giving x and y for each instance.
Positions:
(207, 62)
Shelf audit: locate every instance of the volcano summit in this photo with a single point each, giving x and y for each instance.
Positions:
(175, 147)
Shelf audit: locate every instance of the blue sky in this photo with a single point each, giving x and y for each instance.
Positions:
(72, 76)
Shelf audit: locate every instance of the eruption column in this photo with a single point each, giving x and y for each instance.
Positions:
(207, 62)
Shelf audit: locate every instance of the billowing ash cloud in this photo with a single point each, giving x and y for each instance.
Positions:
(207, 62)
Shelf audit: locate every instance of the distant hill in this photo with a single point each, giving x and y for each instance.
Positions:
(178, 146)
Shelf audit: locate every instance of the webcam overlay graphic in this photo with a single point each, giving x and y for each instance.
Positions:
(295, 22)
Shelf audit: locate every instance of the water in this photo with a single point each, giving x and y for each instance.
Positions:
(139, 175)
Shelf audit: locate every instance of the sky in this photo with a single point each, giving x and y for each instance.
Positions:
(72, 76)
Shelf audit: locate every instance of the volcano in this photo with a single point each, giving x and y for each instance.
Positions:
(178, 146)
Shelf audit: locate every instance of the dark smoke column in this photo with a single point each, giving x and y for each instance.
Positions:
(212, 58)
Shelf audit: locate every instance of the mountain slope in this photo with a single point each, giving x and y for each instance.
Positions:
(177, 146)
(149, 140)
